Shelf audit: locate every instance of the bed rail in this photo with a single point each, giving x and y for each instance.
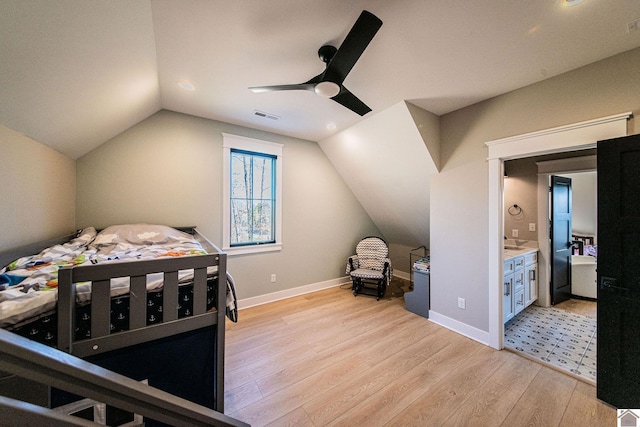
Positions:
(100, 276)
(44, 364)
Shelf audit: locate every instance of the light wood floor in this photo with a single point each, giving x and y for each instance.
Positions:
(579, 306)
(329, 358)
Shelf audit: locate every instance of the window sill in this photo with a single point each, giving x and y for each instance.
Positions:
(254, 249)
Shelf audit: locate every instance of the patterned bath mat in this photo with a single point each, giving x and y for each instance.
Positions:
(562, 339)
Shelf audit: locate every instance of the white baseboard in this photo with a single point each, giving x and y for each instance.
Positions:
(459, 327)
(401, 274)
(293, 292)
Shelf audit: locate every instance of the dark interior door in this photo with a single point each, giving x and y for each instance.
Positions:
(618, 378)
(561, 241)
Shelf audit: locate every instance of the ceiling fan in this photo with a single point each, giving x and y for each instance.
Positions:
(339, 63)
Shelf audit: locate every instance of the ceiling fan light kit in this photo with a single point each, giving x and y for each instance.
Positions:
(327, 89)
(339, 63)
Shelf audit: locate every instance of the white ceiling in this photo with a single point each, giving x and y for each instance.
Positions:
(75, 73)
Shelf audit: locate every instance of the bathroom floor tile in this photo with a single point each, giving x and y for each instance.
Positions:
(565, 340)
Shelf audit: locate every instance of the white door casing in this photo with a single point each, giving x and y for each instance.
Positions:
(577, 136)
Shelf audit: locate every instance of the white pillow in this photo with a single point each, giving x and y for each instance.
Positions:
(140, 234)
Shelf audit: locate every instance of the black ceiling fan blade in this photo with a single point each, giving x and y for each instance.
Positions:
(273, 88)
(352, 47)
(351, 101)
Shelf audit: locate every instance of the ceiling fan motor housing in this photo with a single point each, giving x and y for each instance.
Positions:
(326, 53)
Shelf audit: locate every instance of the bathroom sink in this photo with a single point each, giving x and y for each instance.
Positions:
(513, 248)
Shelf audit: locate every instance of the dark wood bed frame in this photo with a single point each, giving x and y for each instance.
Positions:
(155, 342)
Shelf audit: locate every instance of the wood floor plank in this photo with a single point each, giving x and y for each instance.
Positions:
(325, 356)
(578, 306)
(492, 403)
(333, 403)
(448, 350)
(286, 400)
(585, 410)
(242, 396)
(329, 358)
(439, 403)
(545, 400)
(296, 418)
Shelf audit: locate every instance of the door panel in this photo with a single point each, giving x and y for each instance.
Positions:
(618, 380)
(561, 241)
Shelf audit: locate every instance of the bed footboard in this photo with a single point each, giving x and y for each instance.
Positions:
(102, 340)
(100, 275)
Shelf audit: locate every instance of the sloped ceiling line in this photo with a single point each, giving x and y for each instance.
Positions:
(386, 160)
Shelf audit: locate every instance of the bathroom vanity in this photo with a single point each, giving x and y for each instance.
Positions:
(520, 286)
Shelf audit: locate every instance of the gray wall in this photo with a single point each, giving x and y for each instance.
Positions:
(521, 188)
(459, 193)
(38, 191)
(167, 169)
(584, 191)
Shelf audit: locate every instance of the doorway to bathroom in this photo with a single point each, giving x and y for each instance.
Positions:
(563, 335)
(574, 137)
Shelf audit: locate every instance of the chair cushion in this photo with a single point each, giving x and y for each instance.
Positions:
(364, 273)
(372, 263)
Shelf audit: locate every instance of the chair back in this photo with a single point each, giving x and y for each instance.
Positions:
(372, 252)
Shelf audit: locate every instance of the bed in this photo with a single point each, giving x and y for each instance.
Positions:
(584, 245)
(142, 300)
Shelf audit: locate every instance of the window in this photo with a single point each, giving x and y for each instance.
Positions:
(252, 198)
(252, 195)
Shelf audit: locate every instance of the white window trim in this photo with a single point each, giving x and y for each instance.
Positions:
(230, 142)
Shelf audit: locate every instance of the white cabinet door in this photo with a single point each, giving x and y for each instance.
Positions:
(518, 301)
(531, 284)
(507, 298)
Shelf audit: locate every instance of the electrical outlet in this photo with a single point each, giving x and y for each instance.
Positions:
(273, 278)
(532, 226)
(514, 232)
(462, 303)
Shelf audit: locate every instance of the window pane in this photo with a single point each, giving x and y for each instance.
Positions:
(262, 221)
(252, 198)
(262, 178)
(240, 169)
(239, 221)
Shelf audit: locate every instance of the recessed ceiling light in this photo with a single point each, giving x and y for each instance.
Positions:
(570, 2)
(186, 85)
(331, 126)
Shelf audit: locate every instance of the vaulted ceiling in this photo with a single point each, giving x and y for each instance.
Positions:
(75, 73)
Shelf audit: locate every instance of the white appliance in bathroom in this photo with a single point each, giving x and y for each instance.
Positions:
(584, 276)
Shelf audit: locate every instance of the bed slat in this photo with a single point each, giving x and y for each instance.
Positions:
(100, 298)
(170, 296)
(199, 291)
(66, 306)
(138, 302)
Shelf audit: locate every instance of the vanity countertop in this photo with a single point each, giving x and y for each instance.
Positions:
(521, 251)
